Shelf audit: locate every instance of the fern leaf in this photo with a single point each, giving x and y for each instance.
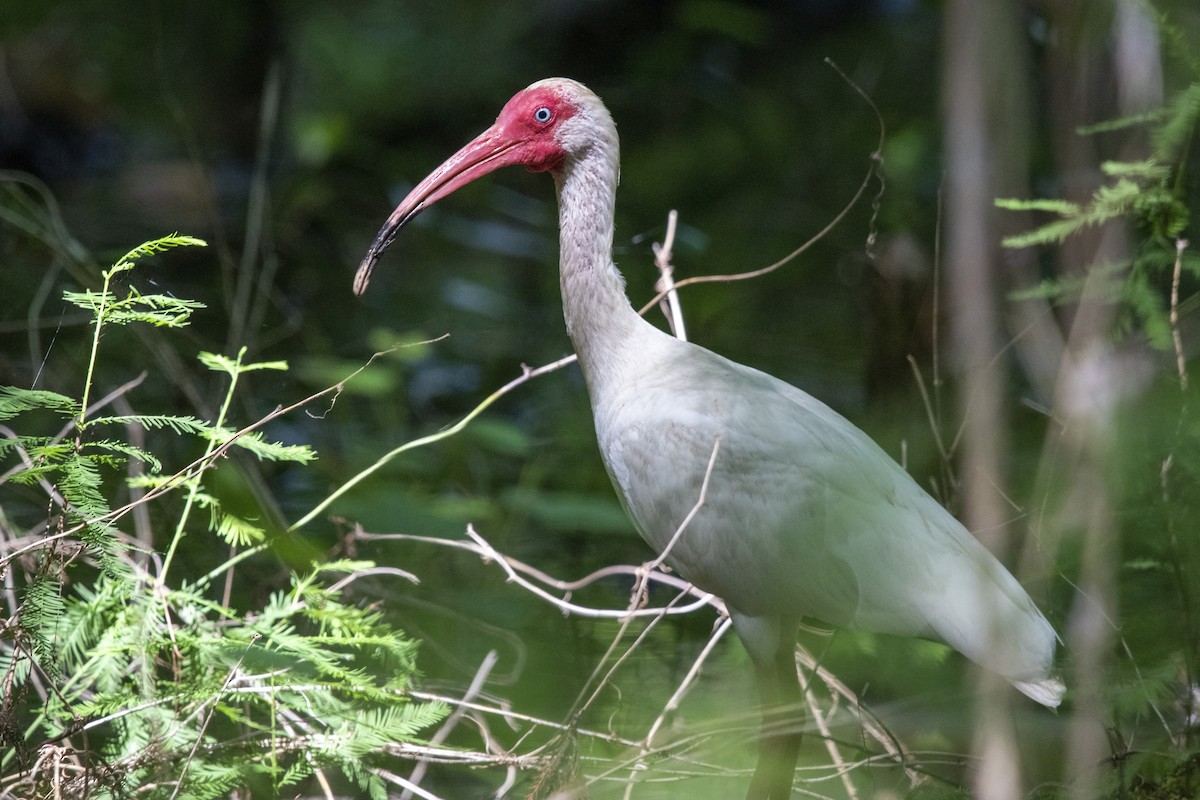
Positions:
(156, 309)
(156, 246)
(234, 366)
(1131, 121)
(14, 401)
(80, 485)
(1050, 233)
(345, 565)
(87, 616)
(148, 480)
(1061, 207)
(46, 453)
(235, 530)
(281, 366)
(176, 424)
(265, 450)
(1046, 290)
(1182, 115)
(367, 781)
(41, 612)
(1150, 169)
(295, 772)
(115, 446)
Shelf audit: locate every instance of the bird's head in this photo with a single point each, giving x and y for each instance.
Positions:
(544, 127)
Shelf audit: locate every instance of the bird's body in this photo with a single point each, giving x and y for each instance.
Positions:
(804, 515)
(827, 524)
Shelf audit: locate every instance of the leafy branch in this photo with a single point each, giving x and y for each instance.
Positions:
(180, 695)
(1151, 193)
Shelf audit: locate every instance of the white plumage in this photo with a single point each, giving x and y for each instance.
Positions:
(805, 515)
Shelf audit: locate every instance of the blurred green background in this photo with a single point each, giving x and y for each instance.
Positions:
(283, 133)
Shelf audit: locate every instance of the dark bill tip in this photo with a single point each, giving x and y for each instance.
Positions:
(387, 234)
(363, 276)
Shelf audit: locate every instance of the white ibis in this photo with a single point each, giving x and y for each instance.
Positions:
(805, 516)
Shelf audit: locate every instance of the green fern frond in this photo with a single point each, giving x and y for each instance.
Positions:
(87, 615)
(208, 779)
(41, 614)
(1103, 280)
(176, 424)
(147, 480)
(80, 484)
(154, 662)
(156, 246)
(156, 309)
(234, 530)
(51, 452)
(15, 665)
(1148, 170)
(46, 457)
(1141, 191)
(1108, 202)
(1112, 201)
(295, 772)
(231, 528)
(265, 450)
(372, 729)
(14, 401)
(1048, 289)
(1180, 124)
(370, 783)
(113, 446)
(1050, 233)
(1123, 123)
(1143, 301)
(1063, 208)
(234, 367)
(343, 565)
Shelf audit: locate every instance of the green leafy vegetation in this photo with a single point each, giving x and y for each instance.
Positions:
(1149, 694)
(1151, 195)
(126, 672)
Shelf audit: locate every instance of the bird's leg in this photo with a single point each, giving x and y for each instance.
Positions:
(779, 740)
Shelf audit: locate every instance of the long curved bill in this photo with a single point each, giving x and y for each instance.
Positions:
(485, 153)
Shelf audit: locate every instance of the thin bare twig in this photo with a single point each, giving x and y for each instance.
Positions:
(666, 282)
(451, 722)
(835, 755)
(1176, 338)
(527, 374)
(487, 553)
(409, 787)
(363, 573)
(567, 607)
(673, 703)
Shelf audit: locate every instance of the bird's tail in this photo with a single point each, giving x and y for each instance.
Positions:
(1048, 691)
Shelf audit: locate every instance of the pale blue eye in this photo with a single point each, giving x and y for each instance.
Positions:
(543, 114)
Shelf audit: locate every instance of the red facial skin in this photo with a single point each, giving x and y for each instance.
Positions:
(525, 133)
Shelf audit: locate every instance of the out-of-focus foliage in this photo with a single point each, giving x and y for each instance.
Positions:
(1152, 194)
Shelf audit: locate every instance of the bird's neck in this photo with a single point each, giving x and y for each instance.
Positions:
(600, 320)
